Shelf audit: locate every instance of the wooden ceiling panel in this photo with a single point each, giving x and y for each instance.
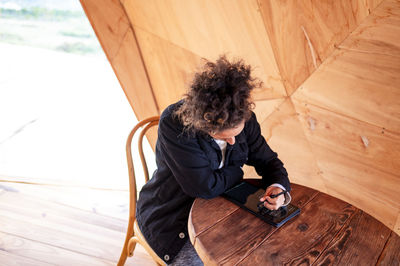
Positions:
(304, 33)
(359, 161)
(373, 4)
(379, 33)
(369, 144)
(211, 28)
(170, 67)
(360, 85)
(133, 78)
(109, 22)
(132, 75)
(284, 133)
(265, 108)
(397, 225)
(362, 188)
(112, 27)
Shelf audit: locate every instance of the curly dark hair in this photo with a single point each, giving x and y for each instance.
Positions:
(219, 97)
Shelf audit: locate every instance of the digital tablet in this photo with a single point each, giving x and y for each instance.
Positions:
(248, 197)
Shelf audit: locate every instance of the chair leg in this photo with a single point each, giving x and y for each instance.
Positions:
(131, 245)
(128, 250)
(123, 257)
(124, 253)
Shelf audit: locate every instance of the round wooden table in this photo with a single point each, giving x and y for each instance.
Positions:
(327, 231)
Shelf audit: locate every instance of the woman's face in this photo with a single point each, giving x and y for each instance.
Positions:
(228, 134)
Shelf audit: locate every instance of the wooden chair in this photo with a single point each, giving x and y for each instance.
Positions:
(133, 234)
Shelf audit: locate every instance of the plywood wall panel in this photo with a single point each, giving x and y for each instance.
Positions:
(359, 161)
(210, 28)
(284, 134)
(133, 77)
(397, 225)
(109, 21)
(118, 41)
(304, 33)
(379, 33)
(372, 4)
(263, 109)
(364, 86)
(170, 67)
(368, 144)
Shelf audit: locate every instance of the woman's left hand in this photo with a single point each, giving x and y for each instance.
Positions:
(273, 203)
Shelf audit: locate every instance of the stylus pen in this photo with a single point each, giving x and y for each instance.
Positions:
(276, 195)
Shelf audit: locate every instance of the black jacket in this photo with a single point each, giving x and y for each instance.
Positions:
(187, 168)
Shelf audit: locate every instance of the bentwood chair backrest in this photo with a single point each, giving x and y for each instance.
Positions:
(133, 235)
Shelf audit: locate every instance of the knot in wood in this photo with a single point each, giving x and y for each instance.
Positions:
(302, 227)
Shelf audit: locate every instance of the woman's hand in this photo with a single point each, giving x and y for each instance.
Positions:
(273, 203)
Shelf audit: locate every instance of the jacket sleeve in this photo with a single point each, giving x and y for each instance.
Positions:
(190, 165)
(261, 156)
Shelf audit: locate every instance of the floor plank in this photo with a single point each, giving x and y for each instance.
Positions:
(9, 259)
(45, 253)
(35, 231)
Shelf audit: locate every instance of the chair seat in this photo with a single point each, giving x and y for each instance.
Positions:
(143, 242)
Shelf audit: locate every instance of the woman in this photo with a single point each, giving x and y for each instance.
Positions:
(203, 142)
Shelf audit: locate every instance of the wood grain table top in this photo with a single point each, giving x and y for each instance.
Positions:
(328, 231)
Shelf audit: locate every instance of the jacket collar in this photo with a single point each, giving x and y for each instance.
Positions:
(241, 138)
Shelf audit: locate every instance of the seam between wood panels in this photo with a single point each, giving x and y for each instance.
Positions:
(255, 247)
(350, 117)
(313, 153)
(370, 10)
(123, 87)
(336, 47)
(217, 222)
(59, 185)
(89, 17)
(274, 51)
(120, 45)
(268, 236)
(276, 109)
(288, 98)
(109, 58)
(384, 247)
(60, 247)
(359, 161)
(141, 58)
(345, 155)
(364, 52)
(26, 257)
(166, 40)
(98, 215)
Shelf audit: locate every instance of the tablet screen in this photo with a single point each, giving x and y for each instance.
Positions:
(248, 197)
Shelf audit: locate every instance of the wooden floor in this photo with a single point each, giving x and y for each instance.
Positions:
(38, 231)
